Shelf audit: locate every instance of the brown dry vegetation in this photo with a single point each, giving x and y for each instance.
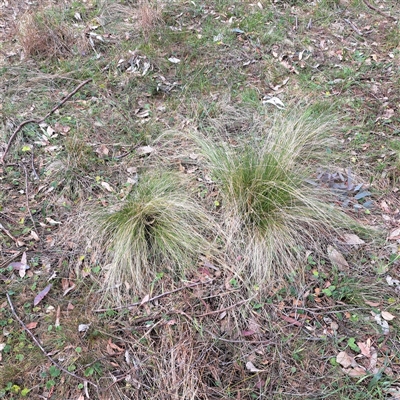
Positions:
(165, 78)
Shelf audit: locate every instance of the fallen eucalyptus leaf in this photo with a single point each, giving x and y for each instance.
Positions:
(344, 359)
(250, 366)
(336, 257)
(275, 102)
(144, 150)
(352, 239)
(41, 295)
(387, 316)
(107, 186)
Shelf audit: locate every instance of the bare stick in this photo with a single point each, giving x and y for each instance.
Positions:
(378, 10)
(8, 233)
(60, 367)
(27, 200)
(354, 27)
(153, 298)
(10, 259)
(33, 166)
(38, 121)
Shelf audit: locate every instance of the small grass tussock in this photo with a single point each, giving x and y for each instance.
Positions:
(149, 16)
(44, 34)
(71, 171)
(158, 227)
(270, 215)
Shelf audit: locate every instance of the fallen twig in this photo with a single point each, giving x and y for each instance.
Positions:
(10, 259)
(27, 200)
(354, 27)
(121, 378)
(153, 298)
(40, 120)
(8, 233)
(378, 10)
(60, 367)
(33, 167)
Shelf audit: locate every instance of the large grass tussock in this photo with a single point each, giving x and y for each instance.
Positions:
(270, 214)
(159, 227)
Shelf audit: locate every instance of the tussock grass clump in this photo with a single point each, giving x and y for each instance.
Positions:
(159, 227)
(44, 34)
(72, 170)
(270, 215)
(149, 15)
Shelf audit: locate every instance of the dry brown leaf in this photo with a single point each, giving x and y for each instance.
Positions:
(387, 316)
(102, 151)
(107, 186)
(32, 325)
(35, 236)
(145, 299)
(355, 372)
(337, 258)
(114, 346)
(63, 129)
(352, 239)
(394, 234)
(72, 287)
(365, 349)
(58, 312)
(372, 304)
(250, 366)
(344, 359)
(42, 294)
(253, 325)
(385, 207)
(64, 283)
(144, 150)
(388, 113)
(291, 320)
(372, 362)
(334, 326)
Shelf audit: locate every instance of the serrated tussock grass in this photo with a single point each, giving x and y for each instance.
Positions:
(270, 215)
(160, 227)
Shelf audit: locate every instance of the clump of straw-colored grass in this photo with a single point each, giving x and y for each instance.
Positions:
(159, 227)
(270, 214)
(45, 34)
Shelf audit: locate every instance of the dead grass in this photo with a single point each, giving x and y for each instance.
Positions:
(148, 15)
(43, 34)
